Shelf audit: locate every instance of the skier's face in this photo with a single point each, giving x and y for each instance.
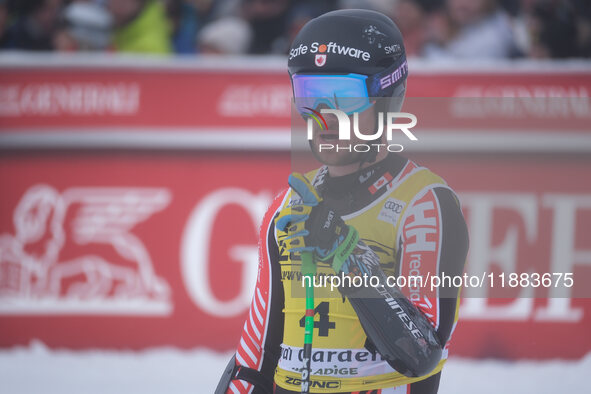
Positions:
(329, 150)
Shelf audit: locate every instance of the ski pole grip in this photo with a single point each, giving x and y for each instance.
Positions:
(308, 266)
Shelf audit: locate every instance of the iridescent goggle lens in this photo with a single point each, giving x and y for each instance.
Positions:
(347, 93)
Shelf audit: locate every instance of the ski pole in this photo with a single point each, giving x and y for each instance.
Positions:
(308, 271)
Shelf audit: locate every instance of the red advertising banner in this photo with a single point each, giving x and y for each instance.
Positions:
(250, 93)
(141, 250)
(154, 243)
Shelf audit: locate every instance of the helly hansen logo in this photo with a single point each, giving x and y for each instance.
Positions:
(420, 229)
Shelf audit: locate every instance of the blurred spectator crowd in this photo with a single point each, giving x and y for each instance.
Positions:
(441, 29)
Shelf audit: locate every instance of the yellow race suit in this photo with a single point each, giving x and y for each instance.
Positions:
(412, 221)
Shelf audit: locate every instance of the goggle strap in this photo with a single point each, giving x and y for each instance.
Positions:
(392, 77)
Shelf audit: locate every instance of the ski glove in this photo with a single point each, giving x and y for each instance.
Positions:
(313, 226)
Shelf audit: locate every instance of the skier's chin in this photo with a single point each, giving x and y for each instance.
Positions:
(333, 158)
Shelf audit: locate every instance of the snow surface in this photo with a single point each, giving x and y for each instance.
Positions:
(37, 369)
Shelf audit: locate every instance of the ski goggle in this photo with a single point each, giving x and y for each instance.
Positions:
(347, 92)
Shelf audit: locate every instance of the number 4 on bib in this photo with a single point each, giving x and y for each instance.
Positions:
(323, 324)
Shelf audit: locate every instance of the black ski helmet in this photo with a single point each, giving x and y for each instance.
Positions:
(354, 41)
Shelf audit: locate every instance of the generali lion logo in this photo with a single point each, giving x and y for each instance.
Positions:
(75, 253)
